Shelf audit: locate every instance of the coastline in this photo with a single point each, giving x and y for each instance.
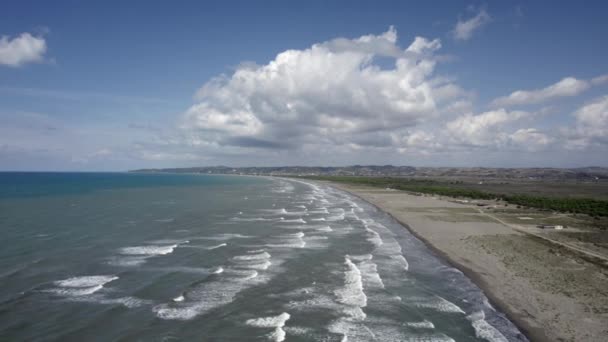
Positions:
(483, 249)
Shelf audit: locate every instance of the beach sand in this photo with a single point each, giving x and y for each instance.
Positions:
(549, 292)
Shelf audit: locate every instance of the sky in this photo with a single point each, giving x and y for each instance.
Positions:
(115, 85)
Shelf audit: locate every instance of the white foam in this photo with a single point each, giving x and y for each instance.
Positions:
(81, 286)
(217, 246)
(250, 219)
(298, 244)
(318, 219)
(171, 219)
(321, 210)
(278, 335)
(257, 265)
(208, 295)
(374, 237)
(352, 292)
(300, 220)
(422, 325)
(436, 303)
(483, 329)
(129, 302)
(256, 256)
(401, 259)
(429, 338)
(186, 269)
(218, 270)
(178, 313)
(243, 274)
(335, 217)
(76, 291)
(128, 261)
(371, 278)
(269, 322)
(276, 322)
(86, 281)
(324, 229)
(168, 241)
(148, 250)
(179, 298)
(294, 240)
(226, 236)
(361, 257)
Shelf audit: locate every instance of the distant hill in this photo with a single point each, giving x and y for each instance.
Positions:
(555, 174)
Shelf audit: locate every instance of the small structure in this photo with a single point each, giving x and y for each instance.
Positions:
(549, 226)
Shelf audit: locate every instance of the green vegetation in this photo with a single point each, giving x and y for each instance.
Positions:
(589, 206)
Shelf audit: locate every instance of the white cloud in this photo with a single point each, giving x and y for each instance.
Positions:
(485, 129)
(530, 139)
(21, 50)
(591, 125)
(331, 94)
(568, 86)
(464, 29)
(599, 80)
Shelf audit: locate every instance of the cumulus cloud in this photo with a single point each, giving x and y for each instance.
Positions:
(568, 86)
(530, 139)
(465, 29)
(332, 94)
(483, 129)
(591, 125)
(22, 49)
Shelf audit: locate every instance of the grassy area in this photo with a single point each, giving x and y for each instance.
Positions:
(589, 206)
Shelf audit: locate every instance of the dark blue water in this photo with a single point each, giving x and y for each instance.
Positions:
(159, 257)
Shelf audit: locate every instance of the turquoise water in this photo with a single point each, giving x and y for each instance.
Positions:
(160, 257)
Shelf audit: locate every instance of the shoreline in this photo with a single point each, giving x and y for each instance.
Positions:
(500, 282)
(519, 322)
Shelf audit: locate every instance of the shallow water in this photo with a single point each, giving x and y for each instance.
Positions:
(221, 258)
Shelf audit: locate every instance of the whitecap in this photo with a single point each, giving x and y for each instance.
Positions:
(436, 303)
(249, 219)
(352, 292)
(422, 324)
(85, 281)
(374, 237)
(300, 220)
(217, 246)
(129, 302)
(128, 261)
(256, 256)
(401, 259)
(148, 250)
(276, 322)
(269, 322)
(81, 286)
(483, 329)
(76, 291)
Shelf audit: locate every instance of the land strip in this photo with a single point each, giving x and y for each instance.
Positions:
(548, 291)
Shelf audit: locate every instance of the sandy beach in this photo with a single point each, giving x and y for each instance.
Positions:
(549, 292)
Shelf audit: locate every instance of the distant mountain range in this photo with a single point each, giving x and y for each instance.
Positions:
(583, 173)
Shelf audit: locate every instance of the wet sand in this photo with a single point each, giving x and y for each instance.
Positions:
(550, 293)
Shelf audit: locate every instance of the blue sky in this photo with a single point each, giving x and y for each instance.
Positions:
(113, 86)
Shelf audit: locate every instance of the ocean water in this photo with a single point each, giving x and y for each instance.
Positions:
(147, 257)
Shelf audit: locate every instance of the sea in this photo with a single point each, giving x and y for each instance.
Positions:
(189, 257)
